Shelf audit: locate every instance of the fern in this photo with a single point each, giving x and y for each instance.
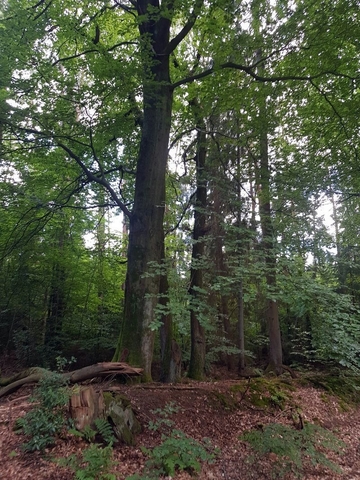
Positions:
(178, 452)
(105, 430)
(94, 464)
(293, 447)
(102, 428)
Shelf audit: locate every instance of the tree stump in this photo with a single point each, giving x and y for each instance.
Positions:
(86, 405)
(120, 414)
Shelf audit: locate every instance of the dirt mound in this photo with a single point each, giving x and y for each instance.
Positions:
(219, 410)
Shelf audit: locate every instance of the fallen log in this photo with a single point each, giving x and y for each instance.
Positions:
(18, 376)
(34, 375)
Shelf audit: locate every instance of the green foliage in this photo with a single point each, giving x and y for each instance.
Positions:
(294, 448)
(87, 432)
(177, 452)
(62, 362)
(266, 392)
(341, 383)
(48, 418)
(47, 196)
(214, 352)
(102, 428)
(95, 463)
(322, 325)
(337, 334)
(163, 414)
(105, 430)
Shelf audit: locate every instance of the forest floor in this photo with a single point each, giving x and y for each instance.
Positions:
(221, 409)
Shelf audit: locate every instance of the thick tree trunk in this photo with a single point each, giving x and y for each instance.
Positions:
(146, 236)
(146, 233)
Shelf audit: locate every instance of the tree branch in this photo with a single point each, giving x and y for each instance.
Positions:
(110, 49)
(182, 215)
(258, 78)
(334, 109)
(127, 9)
(185, 30)
(76, 55)
(43, 11)
(94, 178)
(27, 230)
(92, 50)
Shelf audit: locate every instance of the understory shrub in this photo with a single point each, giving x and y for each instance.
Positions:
(345, 384)
(101, 428)
(94, 463)
(294, 448)
(48, 418)
(176, 452)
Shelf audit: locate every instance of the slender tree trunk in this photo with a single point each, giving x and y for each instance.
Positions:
(101, 242)
(340, 268)
(170, 350)
(272, 313)
(218, 259)
(241, 327)
(101, 247)
(264, 192)
(56, 308)
(56, 299)
(198, 345)
(240, 296)
(168, 374)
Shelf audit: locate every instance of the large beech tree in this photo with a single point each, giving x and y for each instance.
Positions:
(74, 86)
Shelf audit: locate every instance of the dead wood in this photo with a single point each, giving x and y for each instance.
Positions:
(86, 406)
(289, 370)
(168, 386)
(24, 374)
(279, 370)
(34, 375)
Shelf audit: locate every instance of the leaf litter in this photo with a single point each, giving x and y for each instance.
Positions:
(220, 410)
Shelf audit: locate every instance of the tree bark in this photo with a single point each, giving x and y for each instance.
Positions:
(34, 375)
(219, 260)
(198, 344)
(170, 350)
(146, 238)
(272, 311)
(57, 299)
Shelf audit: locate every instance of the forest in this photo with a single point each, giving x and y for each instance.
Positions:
(180, 186)
(179, 244)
